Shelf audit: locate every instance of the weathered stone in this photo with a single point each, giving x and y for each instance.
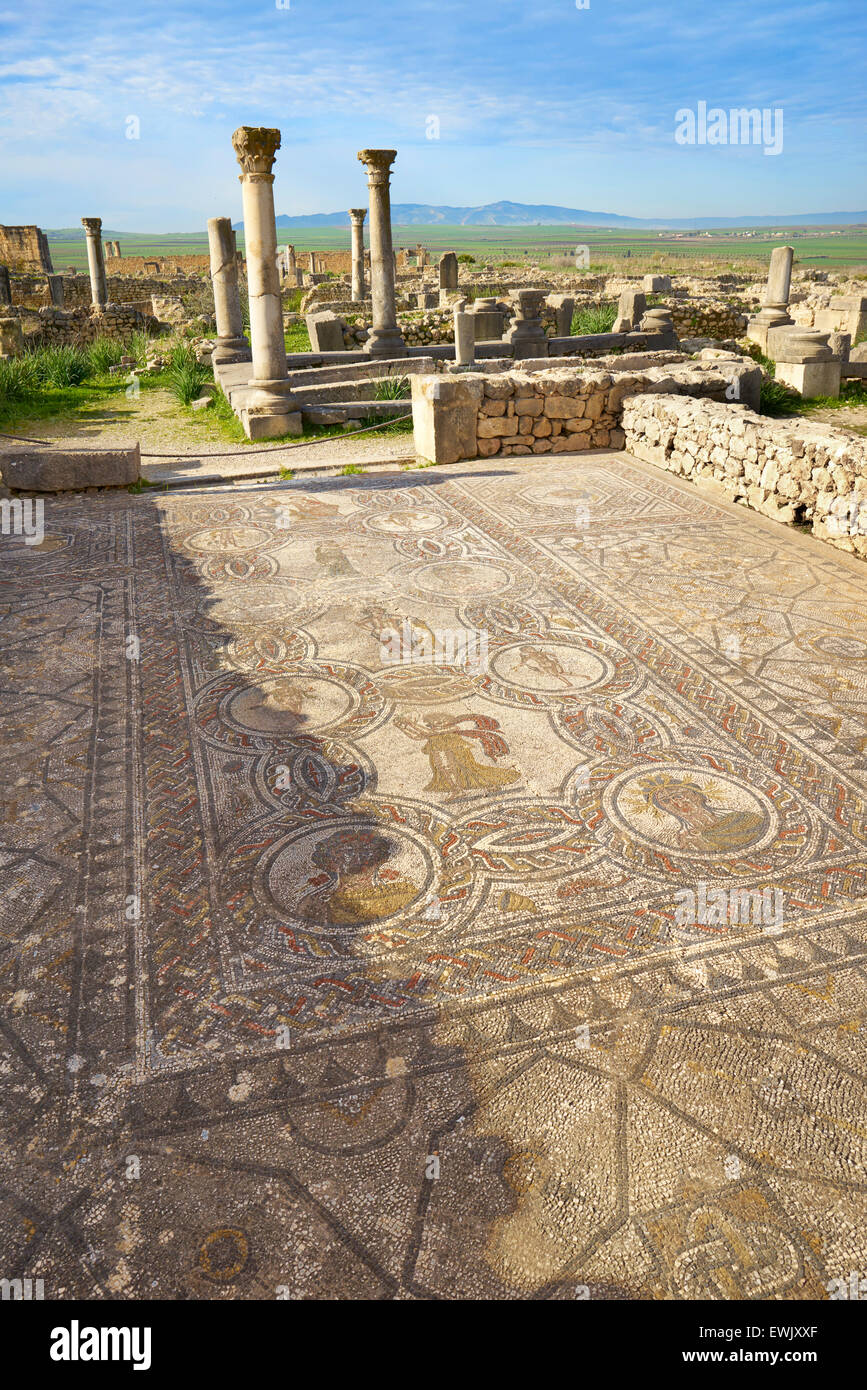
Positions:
(255, 148)
(326, 331)
(445, 414)
(448, 269)
(69, 469)
(11, 337)
(385, 338)
(231, 345)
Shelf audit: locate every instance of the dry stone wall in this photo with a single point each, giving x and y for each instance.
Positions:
(53, 327)
(791, 470)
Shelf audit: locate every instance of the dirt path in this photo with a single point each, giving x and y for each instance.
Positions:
(197, 442)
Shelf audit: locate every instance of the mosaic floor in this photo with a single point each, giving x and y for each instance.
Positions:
(347, 831)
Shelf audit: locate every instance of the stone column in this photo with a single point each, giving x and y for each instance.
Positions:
(291, 266)
(55, 290)
(465, 339)
(95, 263)
(231, 345)
(386, 339)
(5, 287)
(774, 312)
(269, 407)
(311, 263)
(357, 216)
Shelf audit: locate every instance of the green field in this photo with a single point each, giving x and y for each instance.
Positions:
(683, 252)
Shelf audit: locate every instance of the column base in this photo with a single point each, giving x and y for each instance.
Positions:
(261, 423)
(231, 350)
(385, 342)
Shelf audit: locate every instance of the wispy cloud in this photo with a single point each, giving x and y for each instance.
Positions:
(595, 91)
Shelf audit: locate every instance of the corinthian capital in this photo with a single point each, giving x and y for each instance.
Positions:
(358, 215)
(255, 147)
(92, 225)
(378, 164)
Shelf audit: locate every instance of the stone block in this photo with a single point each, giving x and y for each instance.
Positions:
(811, 378)
(326, 331)
(69, 469)
(445, 414)
(11, 337)
(266, 424)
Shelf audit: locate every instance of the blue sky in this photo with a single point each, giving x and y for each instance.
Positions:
(537, 102)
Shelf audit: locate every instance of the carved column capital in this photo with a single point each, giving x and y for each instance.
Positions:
(358, 215)
(378, 164)
(92, 225)
(255, 148)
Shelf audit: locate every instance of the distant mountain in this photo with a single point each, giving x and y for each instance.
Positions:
(506, 214)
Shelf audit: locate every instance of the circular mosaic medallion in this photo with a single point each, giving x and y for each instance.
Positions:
(345, 874)
(458, 579)
(289, 704)
(308, 699)
(545, 671)
(692, 812)
(555, 667)
(219, 540)
(402, 521)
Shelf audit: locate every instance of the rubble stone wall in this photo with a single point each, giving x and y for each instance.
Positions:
(791, 470)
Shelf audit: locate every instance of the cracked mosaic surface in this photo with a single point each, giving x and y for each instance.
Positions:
(288, 926)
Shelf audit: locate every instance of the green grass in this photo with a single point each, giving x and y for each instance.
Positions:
(47, 382)
(296, 338)
(392, 388)
(349, 469)
(634, 250)
(594, 318)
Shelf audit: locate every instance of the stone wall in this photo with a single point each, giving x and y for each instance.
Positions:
(24, 248)
(128, 265)
(705, 319)
(66, 326)
(555, 409)
(791, 470)
(31, 291)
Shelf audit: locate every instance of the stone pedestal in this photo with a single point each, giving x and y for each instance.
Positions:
(657, 284)
(774, 312)
(526, 335)
(357, 216)
(465, 339)
(269, 409)
(659, 320)
(231, 345)
(805, 361)
(385, 339)
(11, 338)
(95, 261)
(5, 286)
(445, 413)
(489, 320)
